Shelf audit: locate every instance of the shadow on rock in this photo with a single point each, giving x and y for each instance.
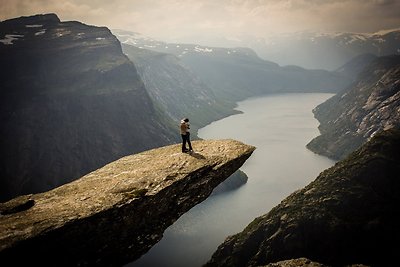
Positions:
(197, 155)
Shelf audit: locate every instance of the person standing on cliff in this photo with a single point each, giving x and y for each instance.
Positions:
(185, 133)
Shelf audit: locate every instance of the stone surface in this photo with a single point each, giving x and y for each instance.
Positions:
(304, 262)
(300, 262)
(347, 215)
(115, 214)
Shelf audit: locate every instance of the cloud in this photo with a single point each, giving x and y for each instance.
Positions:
(180, 19)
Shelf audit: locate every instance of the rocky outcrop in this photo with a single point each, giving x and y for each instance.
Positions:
(304, 262)
(300, 262)
(115, 214)
(353, 116)
(346, 216)
(70, 102)
(233, 182)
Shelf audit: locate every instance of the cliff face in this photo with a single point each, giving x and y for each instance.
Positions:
(347, 215)
(71, 102)
(115, 214)
(354, 115)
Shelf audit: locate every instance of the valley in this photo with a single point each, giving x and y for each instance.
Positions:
(77, 97)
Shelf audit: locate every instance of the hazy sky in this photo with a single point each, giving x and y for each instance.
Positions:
(174, 20)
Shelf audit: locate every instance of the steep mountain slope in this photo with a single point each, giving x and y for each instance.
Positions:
(346, 215)
(237, 73)
(177, 89)
(354, 115)
(71, 101)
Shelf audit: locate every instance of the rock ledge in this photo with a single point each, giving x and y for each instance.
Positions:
(117, 213)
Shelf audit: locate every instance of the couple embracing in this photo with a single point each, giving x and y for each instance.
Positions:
(185, 134)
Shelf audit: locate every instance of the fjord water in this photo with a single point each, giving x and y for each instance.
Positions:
(279, 126)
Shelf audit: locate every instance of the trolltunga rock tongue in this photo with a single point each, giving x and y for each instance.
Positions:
(117, 213)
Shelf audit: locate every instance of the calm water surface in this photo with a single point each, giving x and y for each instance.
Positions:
(279, 126)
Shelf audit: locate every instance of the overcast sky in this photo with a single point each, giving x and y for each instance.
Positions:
(174, 20)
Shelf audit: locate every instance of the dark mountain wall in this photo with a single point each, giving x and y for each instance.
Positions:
(346, 215)
(354, 115)
(71, 101)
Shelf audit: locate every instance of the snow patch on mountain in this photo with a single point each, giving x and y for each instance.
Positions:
(9, 38)
(40, 32)
(34, 26)
(201, 49)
